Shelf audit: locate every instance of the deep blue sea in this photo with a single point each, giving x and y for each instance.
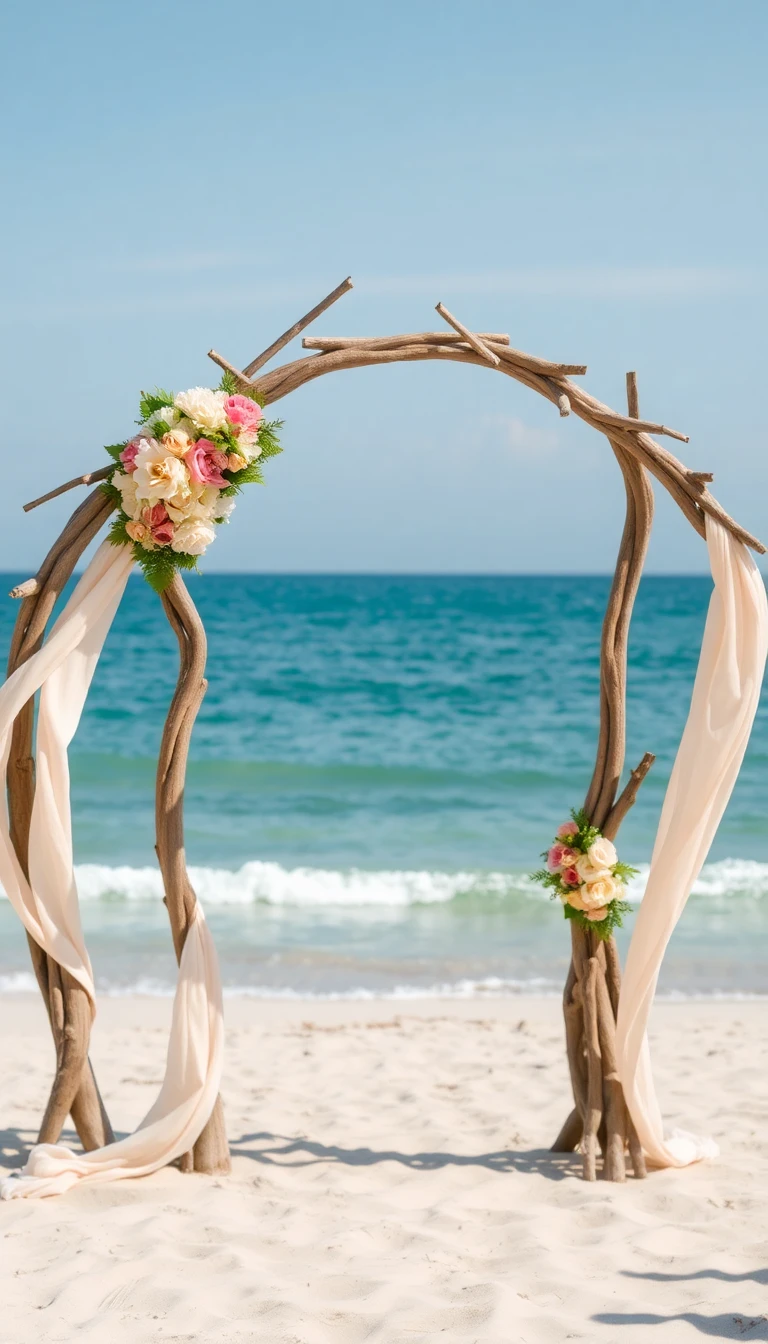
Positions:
(376, 767)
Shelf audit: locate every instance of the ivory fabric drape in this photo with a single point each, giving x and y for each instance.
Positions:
(723, 706)
(48, 906)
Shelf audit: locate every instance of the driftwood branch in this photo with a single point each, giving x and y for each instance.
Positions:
(326, 343)
(474, 341)
(230, 368)
(627, 797)
(211, 1151)
(74, 1090)
(87, 479)
(550, 380)
(297, 328)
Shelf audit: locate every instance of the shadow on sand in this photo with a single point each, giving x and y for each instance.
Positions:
(281, 1150)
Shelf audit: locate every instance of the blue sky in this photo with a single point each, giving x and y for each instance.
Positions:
(590, 179)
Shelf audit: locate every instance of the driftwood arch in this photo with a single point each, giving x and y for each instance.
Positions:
(598, 1120)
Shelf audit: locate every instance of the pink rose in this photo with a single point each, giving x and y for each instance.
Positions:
(597, 916)
(567, 829)
(555, 858)
(159, 524)
(206, 463)
(128, 455)
(570, 877)
(243, 414)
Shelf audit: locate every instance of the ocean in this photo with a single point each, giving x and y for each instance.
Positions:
(376, 767)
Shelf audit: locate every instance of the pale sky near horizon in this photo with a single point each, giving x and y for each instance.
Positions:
(589, 179)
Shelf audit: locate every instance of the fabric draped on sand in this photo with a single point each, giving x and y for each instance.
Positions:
(723, 707)
(47, 903)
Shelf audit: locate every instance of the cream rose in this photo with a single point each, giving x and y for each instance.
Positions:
(236, 462)
(224, 508)
(158, 474)
(594, 895)
(602, 853)
(193, 536)
(248, 445)
(587, 870)
(203, 406)
(127, 487)
(194, 501)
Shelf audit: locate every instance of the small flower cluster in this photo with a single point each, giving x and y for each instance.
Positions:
(176, 478)
(583, 870)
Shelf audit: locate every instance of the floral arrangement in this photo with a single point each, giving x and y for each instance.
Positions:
(583, 869)
(176, 478)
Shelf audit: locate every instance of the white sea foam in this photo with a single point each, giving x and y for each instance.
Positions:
(354, 888)
(490, 987)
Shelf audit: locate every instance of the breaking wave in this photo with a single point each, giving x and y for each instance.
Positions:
(272, 884)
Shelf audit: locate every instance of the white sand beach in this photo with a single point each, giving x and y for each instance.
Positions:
(391, 1182)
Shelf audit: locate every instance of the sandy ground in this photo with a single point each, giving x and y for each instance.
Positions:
(391, 1183)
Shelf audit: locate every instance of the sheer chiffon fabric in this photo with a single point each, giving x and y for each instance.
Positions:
(48, 905)
(723, 706)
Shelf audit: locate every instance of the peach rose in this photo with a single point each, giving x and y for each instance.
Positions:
(596, 915)
(139, 531)
(176, 441)
(235, 462)
(596, 894)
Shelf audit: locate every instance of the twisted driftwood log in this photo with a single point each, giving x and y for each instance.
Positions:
(599, 1118)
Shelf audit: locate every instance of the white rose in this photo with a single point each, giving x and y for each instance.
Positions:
(127, 487)
(248, 445)
(595, 895)
(602, 853)
(169, 416)
(193, 537)
(204, 406)
(587, 870)
(158, 474)
(224, 508)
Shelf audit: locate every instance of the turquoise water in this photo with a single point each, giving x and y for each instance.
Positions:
(376, 766)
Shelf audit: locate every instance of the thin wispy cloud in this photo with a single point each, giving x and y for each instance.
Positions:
(578, 283)
(523, 441)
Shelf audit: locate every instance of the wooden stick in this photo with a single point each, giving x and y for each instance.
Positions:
(633, 401)
(469, 336)
(614, 1166)
(87, 479)
(700, 478)
(560, 399)
(626, 798)
(393, 342)
(636, 1151)
(297, 328)
(570, 1135)
(230, 368)
(26, 589)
